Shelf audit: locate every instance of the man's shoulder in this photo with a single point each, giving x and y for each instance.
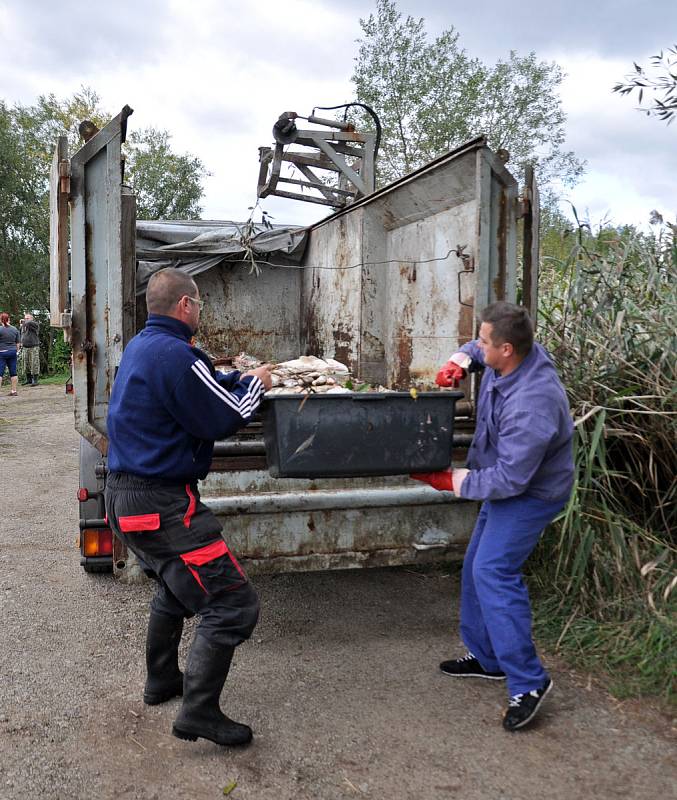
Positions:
(545, 397)
(160, 350)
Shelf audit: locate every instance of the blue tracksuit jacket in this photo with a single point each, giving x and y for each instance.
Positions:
(168, 405)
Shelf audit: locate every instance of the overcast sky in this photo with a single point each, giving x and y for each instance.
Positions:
(217, 73)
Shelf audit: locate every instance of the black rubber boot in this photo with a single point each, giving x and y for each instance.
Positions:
(164, 679)
(200, 714)
(34, 380)
(28, 380)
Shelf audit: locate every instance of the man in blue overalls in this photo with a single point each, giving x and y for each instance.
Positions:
(521, 468)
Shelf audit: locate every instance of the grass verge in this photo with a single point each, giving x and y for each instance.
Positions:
(604, 577)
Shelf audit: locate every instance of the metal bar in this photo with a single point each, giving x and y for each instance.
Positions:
(293, 196)
(339, 147)
(241, 448)
(323, 501)
(483, 261)
(349, 172)
(331, 123)
(530, 244)
(115, 296)
(58, 232)
(320, 187)
(319, 161)
(327, 191)
(367, 167)
(329, 136)
(256, 447)
(351, 559)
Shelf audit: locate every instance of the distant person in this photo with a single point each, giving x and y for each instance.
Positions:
(522, 469)
(167, 407)
(30, 349)
(9, 345)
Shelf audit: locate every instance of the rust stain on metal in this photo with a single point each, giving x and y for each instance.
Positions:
(404, 359)
(501, 244)
(408, 272)
(343, 344)
(310, 334)
(466, 321)
(390, 219)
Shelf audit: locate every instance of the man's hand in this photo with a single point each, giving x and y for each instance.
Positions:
(263, 374)
(445, 481)
(450, 375)
(458, 476)
(441, 481)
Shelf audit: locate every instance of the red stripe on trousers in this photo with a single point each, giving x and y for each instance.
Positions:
(191, 507)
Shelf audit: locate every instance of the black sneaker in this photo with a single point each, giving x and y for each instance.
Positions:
(469, 667)
(522, 708)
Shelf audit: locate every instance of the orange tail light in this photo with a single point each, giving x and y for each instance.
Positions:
(97, 542)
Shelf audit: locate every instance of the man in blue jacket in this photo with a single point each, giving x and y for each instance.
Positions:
(521, 468)
(167, 407)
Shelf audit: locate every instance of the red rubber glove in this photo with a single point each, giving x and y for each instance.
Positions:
(450, 375)
(442, 481)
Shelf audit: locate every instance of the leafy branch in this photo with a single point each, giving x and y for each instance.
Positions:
(661, 80)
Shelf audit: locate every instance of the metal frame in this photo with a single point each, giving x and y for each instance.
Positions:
(102, 274)
(531, 243)
(327, 151)
(59, 190)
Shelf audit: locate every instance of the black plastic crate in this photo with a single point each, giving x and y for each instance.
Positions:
(358, 434)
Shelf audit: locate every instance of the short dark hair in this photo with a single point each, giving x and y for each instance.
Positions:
(166, 287)
(510, 323)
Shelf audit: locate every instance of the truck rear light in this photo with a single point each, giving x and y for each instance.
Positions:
(97, 542)
(83, 495)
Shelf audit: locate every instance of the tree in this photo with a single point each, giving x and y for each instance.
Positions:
(50, 118)
(167, 185)
(432, 96)
(24, 234)
(662, 81)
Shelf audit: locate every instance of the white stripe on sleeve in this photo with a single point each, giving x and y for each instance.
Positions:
(242, 406)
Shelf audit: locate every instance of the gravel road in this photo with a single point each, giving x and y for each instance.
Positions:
(340, 682)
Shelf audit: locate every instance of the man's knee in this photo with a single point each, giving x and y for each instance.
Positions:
(231, 618)
(488, 576)
(250, 609)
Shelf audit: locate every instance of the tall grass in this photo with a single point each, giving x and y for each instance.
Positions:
(605, 572)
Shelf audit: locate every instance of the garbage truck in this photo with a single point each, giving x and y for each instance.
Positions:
(389, 285)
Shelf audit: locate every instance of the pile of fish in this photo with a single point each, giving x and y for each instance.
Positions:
(306, 374)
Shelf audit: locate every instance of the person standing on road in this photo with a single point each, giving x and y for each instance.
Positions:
(9, 344)
(30, 349)
(167, 407)
(521, 468)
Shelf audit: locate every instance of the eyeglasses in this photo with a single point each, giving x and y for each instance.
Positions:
(201, 303)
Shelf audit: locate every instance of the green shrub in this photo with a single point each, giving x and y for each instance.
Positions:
(605, 573)
(59, 353)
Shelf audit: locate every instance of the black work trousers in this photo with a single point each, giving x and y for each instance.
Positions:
(181, 541)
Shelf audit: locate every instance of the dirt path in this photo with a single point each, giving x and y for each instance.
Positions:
(340, 682)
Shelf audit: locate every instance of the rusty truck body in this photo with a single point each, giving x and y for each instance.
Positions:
(389, 286)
